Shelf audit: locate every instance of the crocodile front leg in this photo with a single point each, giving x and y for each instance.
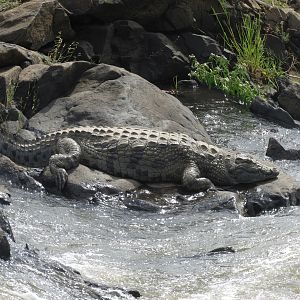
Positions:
(67, 158)
(193, 181)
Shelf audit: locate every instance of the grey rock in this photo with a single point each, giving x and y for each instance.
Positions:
(269, 111)
(289, 99)
(84, 183)
(8, 80)
(34, 24)
(110, 96)
(17, 175)
(14, 55)
(39, 84)
(4, 196)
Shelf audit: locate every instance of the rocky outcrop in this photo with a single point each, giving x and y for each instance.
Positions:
(110, 96)
(34, 24)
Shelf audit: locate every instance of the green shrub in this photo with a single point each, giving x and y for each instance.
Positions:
(216, 73)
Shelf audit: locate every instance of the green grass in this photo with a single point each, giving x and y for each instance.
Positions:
(247, 41)
(233, 82)
(62, 52)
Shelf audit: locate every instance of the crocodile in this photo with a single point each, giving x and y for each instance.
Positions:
(145, 155)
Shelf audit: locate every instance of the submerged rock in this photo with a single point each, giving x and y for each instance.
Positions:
(68, 278)
(221, 250)
(5, 226)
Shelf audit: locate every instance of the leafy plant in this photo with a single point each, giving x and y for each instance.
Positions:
(62, 52)
(216, 73)
(247, 41)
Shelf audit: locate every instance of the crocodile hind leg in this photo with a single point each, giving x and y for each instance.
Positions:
(192, 180)
(67, 158)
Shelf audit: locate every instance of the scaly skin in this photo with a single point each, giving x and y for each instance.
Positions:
(143, 154)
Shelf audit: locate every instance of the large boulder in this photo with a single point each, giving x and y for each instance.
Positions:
(126, 44)
(39, 84)
(14, 55)
(110, 96)
(34, 24)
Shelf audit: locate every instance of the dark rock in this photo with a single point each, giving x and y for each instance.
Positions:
(5, 226)
(269, 111)
(276, 46)
(17, 175)
(34, 24)
(276, 151)
(140, 204)
(126, 44)
(14, 55)
(111, 96)
(200, 45)
(282, 192)
(40, 84)
(221, 250)
(4, 246)
(289, 99)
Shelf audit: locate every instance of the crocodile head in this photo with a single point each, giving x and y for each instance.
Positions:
(244, 168)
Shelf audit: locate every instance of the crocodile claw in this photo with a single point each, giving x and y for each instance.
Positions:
(61, 179)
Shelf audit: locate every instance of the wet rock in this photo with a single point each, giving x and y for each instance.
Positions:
(14, 55)
(276, 151)
(111, 96)
(34, 24)
(140, 204)
(282, 192)
(4, 246)
(268, 110)
(39, 84)
(4, 196)
(16, 175)
(84, 183)
(5, 226)
(215, 200)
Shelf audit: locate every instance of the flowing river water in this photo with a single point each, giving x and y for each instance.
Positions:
(164, 254)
